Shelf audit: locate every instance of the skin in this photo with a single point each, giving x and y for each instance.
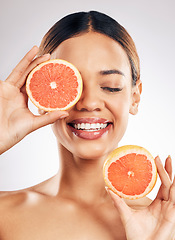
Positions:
(90, 59)
(74, 204)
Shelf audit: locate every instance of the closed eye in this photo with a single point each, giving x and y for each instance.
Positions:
(112, 89)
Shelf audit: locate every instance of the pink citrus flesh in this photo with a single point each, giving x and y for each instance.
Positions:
(130, 171)
(54, 85)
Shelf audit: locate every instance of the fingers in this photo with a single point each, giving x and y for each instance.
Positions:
(164, 176)
(168, 167)
(20, 72)
(163, 193)
(41, 112)
(48, 118)
(172, 192)
(32, 65)
(123, 209)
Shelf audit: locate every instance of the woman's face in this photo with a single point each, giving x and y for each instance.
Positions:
(98, 121)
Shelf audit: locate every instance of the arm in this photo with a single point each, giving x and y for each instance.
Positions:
(48, 187)
(16, 120)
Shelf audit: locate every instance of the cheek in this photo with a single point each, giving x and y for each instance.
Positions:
(58, 130)
(120, 110)
(119, 106)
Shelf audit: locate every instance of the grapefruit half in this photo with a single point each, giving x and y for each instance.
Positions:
(54, 85)
(130, 171)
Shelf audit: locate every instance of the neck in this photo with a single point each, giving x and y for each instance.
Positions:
(81, 179)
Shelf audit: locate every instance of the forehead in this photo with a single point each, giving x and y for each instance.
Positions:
(93, 50)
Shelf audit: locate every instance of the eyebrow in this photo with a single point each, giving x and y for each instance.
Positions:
(112, 71)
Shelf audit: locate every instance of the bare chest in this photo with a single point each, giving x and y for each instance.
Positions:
(53, 222)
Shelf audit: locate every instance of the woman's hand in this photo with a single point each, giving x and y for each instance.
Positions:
(157, 221)
(16, 120)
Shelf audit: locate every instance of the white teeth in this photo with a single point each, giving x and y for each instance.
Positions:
(90, 126)
(87, 126)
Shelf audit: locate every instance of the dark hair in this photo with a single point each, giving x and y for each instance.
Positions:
(81, 22)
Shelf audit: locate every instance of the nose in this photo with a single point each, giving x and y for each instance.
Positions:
(90, 100)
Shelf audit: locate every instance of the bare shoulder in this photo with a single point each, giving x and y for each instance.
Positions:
(48, 187)
(13, 209)
(13, 200)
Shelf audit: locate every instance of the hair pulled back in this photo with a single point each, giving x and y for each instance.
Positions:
(82, 22)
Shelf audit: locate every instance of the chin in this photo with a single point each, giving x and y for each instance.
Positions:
(88, 148)
(91, 154)
(91, 150)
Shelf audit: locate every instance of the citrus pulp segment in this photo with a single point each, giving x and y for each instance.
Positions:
(54, 85)
(130, 171)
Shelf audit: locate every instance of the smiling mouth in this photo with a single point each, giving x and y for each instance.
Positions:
(89, 128)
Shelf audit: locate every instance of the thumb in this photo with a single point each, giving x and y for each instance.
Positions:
(124, 210)
(48, 118)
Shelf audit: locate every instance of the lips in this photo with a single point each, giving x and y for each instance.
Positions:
(89, 128)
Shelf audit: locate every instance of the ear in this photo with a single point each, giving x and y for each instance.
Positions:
(135, 97)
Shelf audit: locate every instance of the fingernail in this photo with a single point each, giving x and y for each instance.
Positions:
(64, 115)
(158, 158)
(158, 161)
(46, 55)
(35, 46)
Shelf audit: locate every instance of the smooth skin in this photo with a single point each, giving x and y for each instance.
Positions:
(74, 204)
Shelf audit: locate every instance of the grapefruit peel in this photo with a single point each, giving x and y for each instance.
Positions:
(53, 85)
(115, 156)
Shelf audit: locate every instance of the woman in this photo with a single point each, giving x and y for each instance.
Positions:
(74, 204)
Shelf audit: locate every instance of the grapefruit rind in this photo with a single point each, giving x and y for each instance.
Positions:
(118, 153)
(59, 61)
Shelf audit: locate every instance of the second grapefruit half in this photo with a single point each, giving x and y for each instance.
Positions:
(130, 171)
(54, 85)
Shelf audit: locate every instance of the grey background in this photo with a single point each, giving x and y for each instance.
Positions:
(151, 23)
